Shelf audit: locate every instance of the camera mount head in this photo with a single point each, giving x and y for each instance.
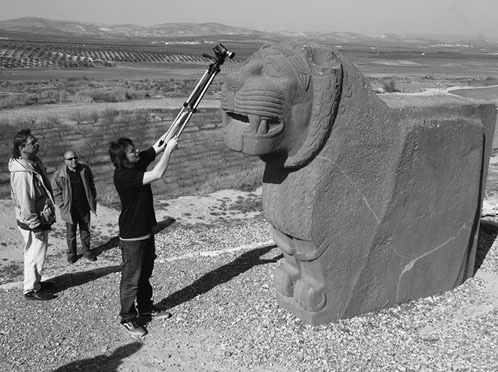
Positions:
(221, 54)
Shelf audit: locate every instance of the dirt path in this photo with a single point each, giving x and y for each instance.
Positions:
(185, 210)
(65, 111)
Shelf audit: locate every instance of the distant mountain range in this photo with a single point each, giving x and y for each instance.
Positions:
(49, 27)
(56, 28)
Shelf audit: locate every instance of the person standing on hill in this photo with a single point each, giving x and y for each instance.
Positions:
(34, 209)
(137, 222)
(75, 195)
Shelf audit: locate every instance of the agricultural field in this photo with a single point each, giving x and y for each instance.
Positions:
(81, 94)
(199, 162)
(91, 53)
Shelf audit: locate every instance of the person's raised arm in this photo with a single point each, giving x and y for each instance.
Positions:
(159, 169)
(159, 145)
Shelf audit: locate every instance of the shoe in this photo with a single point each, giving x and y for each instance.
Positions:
(133, 328)
(72, 260)
(39, 296)
(91, 257)
(156, 313)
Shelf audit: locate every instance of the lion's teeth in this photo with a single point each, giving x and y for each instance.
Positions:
(263, 127)
(254, 121)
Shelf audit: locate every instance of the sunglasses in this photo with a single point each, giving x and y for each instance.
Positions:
(73, 158)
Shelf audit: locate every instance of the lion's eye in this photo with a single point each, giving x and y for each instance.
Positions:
(272, 69)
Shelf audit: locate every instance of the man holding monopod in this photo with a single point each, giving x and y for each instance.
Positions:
(137, 219)
(136, 223)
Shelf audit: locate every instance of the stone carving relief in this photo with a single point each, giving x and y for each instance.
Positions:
(374, 201)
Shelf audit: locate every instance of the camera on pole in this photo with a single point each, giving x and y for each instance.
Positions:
(190, 105)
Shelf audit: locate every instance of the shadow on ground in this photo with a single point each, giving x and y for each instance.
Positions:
(114, 241)
(221, 275)
(488, 231)
(161, 225)
(108, 363)
(68, 280)
(110, 244)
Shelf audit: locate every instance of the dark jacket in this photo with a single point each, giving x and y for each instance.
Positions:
(61, 185)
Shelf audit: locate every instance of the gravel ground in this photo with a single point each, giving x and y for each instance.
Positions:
(217, 282)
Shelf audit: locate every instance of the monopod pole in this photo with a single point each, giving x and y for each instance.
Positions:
(190, 105)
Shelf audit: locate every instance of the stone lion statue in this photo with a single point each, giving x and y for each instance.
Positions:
(373, 202)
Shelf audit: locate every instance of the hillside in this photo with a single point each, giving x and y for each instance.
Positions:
(48, 27)
(42, 28)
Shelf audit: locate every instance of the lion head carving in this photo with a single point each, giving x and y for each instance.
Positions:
(274, 106)
(364, 193)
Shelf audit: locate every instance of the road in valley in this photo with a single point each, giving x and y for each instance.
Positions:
(65, 111)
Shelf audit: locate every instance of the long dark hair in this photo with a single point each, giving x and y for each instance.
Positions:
(20, 139)
(117, 151)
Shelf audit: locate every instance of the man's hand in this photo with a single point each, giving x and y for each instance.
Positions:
(158, 171)
(160, 144)
(39, 235)
(171, 145)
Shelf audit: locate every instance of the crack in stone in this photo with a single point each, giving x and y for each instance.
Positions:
(354, 185)
(412, 263)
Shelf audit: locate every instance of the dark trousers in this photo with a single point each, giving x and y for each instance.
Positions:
(135, 291)
(81, 219)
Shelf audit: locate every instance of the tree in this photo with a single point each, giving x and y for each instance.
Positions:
(389, 86)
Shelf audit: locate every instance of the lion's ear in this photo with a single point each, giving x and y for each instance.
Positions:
(302, 71)
(301, 67)
(326, 80)
(322, 61)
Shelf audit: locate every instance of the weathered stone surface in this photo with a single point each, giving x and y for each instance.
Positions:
(374, 202)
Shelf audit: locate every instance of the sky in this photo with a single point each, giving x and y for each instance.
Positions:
(369, 17)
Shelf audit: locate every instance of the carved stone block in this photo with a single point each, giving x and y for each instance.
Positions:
(374, 201)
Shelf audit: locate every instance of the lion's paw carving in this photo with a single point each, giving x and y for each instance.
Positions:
(309, 295)
(285, 278)
(373, 201)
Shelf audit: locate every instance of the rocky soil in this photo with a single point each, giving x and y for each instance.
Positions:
(215, 276)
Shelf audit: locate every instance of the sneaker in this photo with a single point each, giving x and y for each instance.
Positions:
(133, 328)
(72, 260)
(156, 313)
(39, 296)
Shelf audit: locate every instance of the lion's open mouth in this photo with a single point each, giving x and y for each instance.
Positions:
(252, 125)
(250, 133)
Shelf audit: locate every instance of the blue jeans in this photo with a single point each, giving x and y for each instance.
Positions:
(135, 290)
(81, 219)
